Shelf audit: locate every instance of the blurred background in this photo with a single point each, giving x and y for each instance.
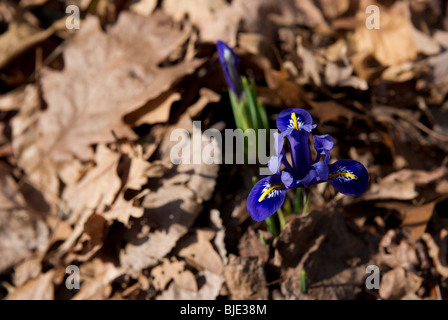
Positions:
(91, 90)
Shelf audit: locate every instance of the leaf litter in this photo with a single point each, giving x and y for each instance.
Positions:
(86, 177)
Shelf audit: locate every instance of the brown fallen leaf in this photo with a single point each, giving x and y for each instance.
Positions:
(333, 9)
(250, 246)
(419, 177)
(245, 279)
(143, 7)
(21, 36)
(398, 190)
(433, 251)
(416, 219)
(40, 288)
(156, 110)
(219, 240)
(10, 196)
(333, 255)
(98, 276)
(398, 283)
(29, 269)
(198, 251)
(196, 10)
(394, 42)
(122, 210)
(208, 291)
(40, 172)
(256, 16)
(97, 189)
(170, 208)
(332, 111)
(173, 269)
(22, 236)
(82, 107)
(395, 253)
(19, 98)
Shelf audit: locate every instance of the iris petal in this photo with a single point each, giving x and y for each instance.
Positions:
(323, 144)
(349, 177)
(322, 170)
(300, 152)
(295, 119)
(230, 65)
(266, 197)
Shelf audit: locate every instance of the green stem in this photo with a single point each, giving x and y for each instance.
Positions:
(271, 227)
(303, 281)
(263, 239)
(251, 102)
(299, 198)
(306, 200)
(236, 108)
(281, 219)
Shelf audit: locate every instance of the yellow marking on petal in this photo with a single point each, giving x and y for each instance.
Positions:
(345, 174)
(267, 192)
(294, 118)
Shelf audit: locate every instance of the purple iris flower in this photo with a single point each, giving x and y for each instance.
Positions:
(349, 177)
(230, 66)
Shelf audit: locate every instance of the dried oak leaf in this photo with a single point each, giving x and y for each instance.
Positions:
(171, 207)
(106, 76)
(245, 279)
